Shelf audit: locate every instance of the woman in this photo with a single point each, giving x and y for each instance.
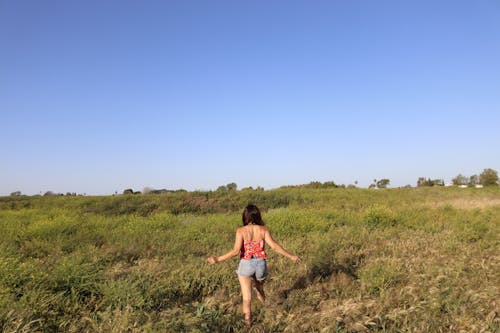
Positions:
(249, 244)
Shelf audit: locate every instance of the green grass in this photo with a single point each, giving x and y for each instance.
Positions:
(395, 260)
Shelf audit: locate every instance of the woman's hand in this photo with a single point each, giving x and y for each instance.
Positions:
(212, 260)
(295, 259)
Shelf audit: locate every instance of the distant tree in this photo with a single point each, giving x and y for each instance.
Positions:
(15, 194)
(422, 181)
(259, 188)
(460, 180)
(128, 191)
(383, 183)
(221, 188)
(231, 187)
(49, 194)
(314, 184)
(329, 184)
(137, 192)
(488, 177)
(438, 182)
(158, 191)
(473, 180)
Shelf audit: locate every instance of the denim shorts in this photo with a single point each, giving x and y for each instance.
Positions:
(255, 267)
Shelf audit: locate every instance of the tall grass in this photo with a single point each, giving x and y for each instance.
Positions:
(397, 260)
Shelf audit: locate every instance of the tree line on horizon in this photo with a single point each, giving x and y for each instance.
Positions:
(488, 177)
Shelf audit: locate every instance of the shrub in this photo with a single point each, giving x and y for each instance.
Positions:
(378, 216)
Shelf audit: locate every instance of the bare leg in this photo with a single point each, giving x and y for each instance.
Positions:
(261, 295)
(246, 292)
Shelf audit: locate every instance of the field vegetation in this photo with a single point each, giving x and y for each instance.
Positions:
(390, 260)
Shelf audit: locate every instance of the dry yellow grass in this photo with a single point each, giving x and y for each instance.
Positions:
(459, 203)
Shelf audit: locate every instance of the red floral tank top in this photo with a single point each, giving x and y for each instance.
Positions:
(253, 249)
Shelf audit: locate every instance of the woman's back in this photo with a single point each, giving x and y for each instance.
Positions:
(253, 242)
(252, 232)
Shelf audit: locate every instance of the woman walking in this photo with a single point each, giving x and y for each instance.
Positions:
(249, 244)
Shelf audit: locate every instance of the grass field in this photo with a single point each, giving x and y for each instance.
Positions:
(394, 260)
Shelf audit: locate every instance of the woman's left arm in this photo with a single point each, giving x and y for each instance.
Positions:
(235, 251)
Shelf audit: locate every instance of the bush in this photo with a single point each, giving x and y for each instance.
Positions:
(378, 216)
(488, 177)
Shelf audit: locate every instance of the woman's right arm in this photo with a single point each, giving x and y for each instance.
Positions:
(276, 247)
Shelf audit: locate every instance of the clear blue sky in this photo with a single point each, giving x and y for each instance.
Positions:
(99, 96)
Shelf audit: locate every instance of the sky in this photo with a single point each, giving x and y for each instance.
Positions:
(100, 96)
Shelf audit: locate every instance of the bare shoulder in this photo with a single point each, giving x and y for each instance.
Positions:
(239, 233)
(264, 229)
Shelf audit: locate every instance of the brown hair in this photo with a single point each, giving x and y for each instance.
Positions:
(251, 214)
